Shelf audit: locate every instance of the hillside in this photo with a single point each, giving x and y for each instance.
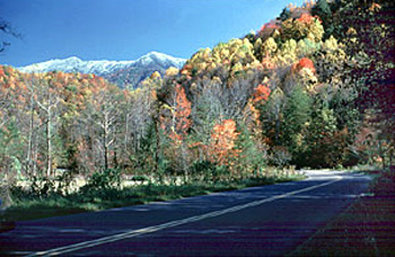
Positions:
(311, 88)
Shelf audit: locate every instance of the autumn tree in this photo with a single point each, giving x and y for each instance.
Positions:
(323, 10)
(222, 148)
(178, 125)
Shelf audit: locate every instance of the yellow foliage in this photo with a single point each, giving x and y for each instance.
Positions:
(334, 50)
(172, 71)
(288, 53)
(303, 27)
(269, 46)
(155, 75)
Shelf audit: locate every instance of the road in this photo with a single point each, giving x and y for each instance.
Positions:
(259, 221)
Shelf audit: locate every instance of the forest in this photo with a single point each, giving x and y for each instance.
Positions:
(312, 88)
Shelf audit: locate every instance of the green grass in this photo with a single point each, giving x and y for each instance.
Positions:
(27, 207)
(366, 228)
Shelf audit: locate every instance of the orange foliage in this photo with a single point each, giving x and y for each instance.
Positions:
(72, 89)
(183, 110)
(222, 147)
(375, 7)
(255, 113)
(268, 63)
(305, 18)
(181, 114)
(262, 92)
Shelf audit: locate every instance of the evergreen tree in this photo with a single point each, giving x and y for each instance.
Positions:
(297, 114)
(285, 14)
(323, 10)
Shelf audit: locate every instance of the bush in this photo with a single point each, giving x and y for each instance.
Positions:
(280, 156)
(42, 186)
(140, 178)
(108, 179)
(208, 170)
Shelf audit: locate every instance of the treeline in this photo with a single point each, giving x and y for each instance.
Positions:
(312, 88)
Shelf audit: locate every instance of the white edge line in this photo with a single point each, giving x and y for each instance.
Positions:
(171, 224)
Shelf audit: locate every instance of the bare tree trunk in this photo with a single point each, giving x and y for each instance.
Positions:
(49, 143)
(105, 146)
(126, 136)
(34, 156)
(157, 141)
(29, 154)
(47, 108)
(108, 122)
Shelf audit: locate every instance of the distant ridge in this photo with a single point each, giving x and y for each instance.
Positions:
(123, 73)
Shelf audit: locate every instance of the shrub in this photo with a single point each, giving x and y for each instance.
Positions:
(108, 179)
(280, 156)
(208, 170)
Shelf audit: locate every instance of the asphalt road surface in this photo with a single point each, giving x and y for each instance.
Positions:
(259, 221)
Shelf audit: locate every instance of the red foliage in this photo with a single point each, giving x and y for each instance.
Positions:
(268, 28)
(269, 25)
(304, 63)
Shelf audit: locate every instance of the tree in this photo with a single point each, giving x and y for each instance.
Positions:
(49, 102)
(321, 140)
(222, 148)
(323, 10)
(103, 114)
(285, 14)
(365, 28)
(145, 124)
(180, 115)
(297, 114)
(262, 92)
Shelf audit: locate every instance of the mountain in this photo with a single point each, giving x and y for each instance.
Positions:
(123, 73)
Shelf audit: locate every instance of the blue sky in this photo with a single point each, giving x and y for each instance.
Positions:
(127, 29)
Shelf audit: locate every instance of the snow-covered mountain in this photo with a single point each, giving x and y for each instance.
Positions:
(123, 73)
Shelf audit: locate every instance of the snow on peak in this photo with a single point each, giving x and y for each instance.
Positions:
(161, 58)
(101, 67)
(67, 64)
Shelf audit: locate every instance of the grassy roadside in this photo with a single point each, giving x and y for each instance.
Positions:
(26, 207)
(366, 228)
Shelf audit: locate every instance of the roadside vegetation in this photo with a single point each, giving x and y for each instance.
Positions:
(311, 88)
(366, 228)
(107, 193)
